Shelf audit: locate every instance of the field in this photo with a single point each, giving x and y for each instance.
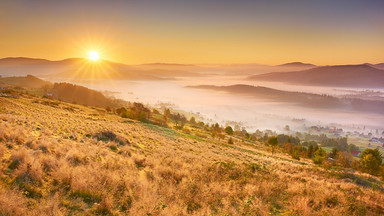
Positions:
(363, 143)
(63, 159)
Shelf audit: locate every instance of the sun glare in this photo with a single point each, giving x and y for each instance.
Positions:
(93, 55)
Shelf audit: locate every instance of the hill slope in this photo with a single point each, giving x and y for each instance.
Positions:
(63, 91)
(28, 81)
(79, 94)
(344, 75)
(74, 160)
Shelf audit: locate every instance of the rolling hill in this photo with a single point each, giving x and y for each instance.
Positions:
(61, 91)
(338, 76)
(300, 98)
(28, 81)
(79, 94)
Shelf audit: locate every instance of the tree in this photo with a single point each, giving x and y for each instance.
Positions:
(353, 147)
(334, 152)
(286, 128)
(319, 156)
(344, 159)
(45, 88)
(370, 161)
(192, 120)
(166, 114)
(122, 112)
(272, 141)
(230, 140)
(237, 127)
(288, 147)
(228, 130)
(310, 151)
(296, 152)
(155, 111)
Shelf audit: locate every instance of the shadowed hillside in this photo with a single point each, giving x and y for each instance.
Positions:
(63, 91)
(79, 94)
(344, 76)
(28, 81)
(300, 98)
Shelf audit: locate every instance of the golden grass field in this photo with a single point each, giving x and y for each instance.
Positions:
(64, 159)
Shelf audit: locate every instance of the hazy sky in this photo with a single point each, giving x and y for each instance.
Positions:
(196, 31)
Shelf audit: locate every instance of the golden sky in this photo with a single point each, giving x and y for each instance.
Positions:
(349, 32)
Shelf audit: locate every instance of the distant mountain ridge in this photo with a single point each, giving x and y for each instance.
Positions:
(21, 60)
(297, 64)
(340, 75)
(83, 69)
(379, 66)
(80, 69)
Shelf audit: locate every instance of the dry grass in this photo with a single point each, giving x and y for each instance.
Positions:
(58, 162)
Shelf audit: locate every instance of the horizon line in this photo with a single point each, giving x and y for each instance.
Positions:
(174, 63)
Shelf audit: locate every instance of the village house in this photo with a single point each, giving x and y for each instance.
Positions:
(356, 153)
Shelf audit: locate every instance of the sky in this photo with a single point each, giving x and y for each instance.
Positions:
(196, 31)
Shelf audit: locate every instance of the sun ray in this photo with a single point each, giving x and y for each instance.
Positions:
(93, 55)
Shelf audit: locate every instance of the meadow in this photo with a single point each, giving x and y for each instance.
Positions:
(58, 158)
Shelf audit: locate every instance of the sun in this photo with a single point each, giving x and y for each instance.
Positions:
(93, 55)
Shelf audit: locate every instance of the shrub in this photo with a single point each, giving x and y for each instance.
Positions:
(104, 207)
(29, 173)
(11, 203)
(107, 136)
(186, 130)
(88, 196)
(3, 150)
(19, 157)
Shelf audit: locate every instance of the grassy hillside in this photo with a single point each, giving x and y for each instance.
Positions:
(63, 159)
